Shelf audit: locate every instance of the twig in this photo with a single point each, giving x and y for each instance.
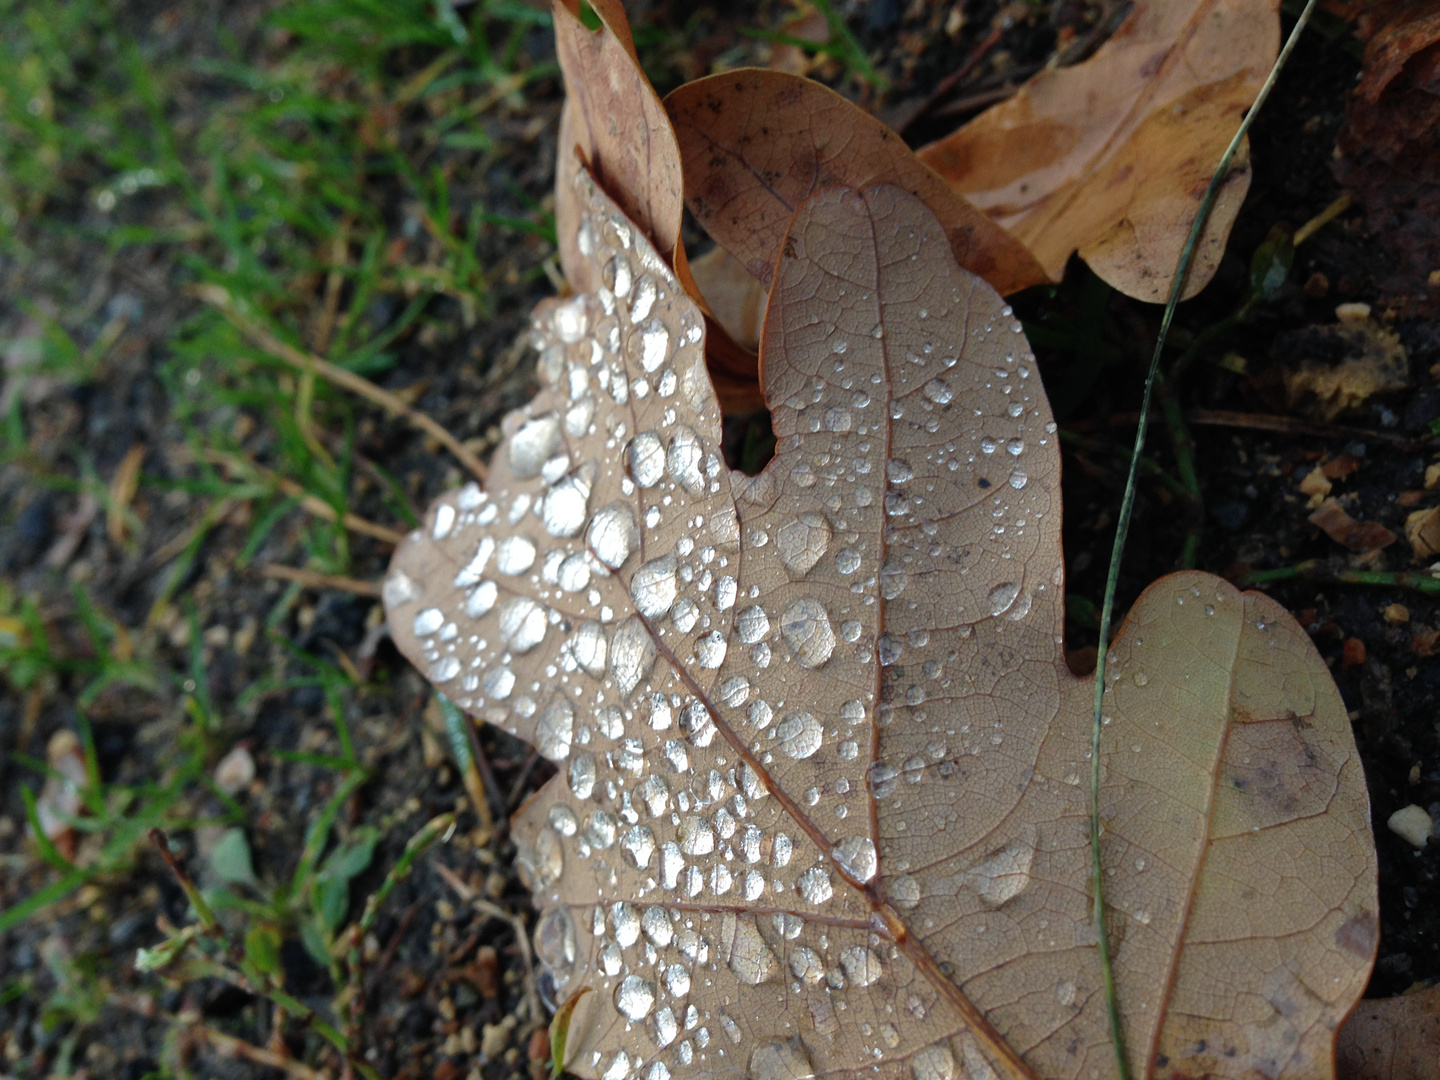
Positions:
(956, 77)
(1286, 425)
(306, 362)
(239, 1048)
(1122, 530)
(186, 882)
(311, 504)
(1315, 570)
(1320, 220)
(313, 580)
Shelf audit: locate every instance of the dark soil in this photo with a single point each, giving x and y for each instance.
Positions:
(444, 978)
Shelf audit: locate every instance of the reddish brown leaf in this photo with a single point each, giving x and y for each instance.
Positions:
(1110, 157)
(756, 144)
(1331, 519)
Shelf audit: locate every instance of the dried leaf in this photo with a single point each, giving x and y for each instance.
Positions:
(735, 298)
(1422, 529)
(1394, 1039)
(1331, 519)
(756, 144)
(822, 803)
(1111, 157)
(614, 122)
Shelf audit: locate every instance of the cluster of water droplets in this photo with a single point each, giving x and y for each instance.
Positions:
(732, 674)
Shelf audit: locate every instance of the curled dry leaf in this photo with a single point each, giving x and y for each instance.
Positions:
(616, 122)
(1331, 519)
(756, 144)
(822, 806)
(1111, 157)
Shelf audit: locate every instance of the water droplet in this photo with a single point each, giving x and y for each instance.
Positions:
(802, 542)
(498, 683)
(1140, 679)
(938, 392)
(522, 624)
(632, 654)
(934, 1062)
(781, 1061)
(600, 830)
(619, 1068)
(899, 472)
(883, 779)
(428, 621)
(862, 966)
(1015, 447)
(570, 320)
(1002, 596)
(1018, 479)
(1004, 875)
(533, 445)
(582, 776)
(634, 997)
(398, 589)
(806, 629)
(657, 926)
(807, 965)
(847, 560)
(645, 458)
(904, 891)
(638, 844)
(444, 521)
(856, 855)
(751, 959)
(684, 458)
(892, 578)
(752, 624)
(1065, 993)
(565, 506)
(653, 587)
(654, 345)
(555, 730)
(663, 1028)
(613, 534)
(814, 885)
(799, 734)
(677, 980)
(514, 555)
(555, 942)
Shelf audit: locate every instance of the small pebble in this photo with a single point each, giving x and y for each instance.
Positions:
(235, 771)
(1397, 614)
(1412, 824)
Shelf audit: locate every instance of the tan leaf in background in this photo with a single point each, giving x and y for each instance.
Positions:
(756, 144)
(822, 806)
(1111, 156)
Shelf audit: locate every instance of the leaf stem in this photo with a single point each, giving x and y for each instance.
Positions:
(1122, 530)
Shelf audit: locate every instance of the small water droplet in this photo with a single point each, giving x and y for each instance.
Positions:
(1002, 596)
(814, 885)
(805, 626)
(856, 854)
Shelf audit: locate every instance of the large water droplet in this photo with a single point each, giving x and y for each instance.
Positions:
(802, 542)
(683, 461)
(645, 458)
(634, 997)
(653, 587)
(588, 647)
(1002, 596)
(428, 621)
(806, 629)
(564, 507)
(654, 345)
(514, 555)
(710, 649)
(632, 654)
(799, 734)
(862, 966)
(856, 855)
(781, 1061)
(533, 445)
(570, 320)
(662, 1027)
(1004, 875)
(814, 885)
(938, 392)
(613, 534)
(752, 624)
(600, 830)
(522, 624)
(555, 729)
(555, 942)
(582, 776)
(807, 965)
(933, 1063)
(751, 959)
